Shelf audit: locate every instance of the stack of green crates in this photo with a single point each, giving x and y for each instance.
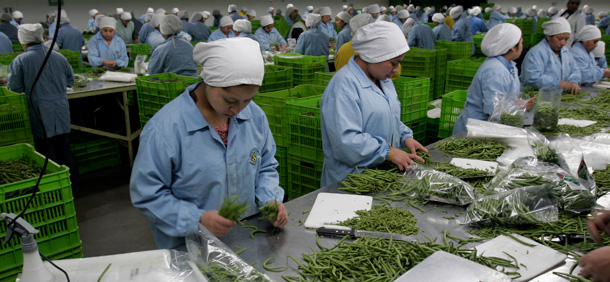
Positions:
(323, 78)
(305, 154)
(7, 58)
(281, 155)
(276, 78)
(440, 73)
(420, 63)
(304, 67)
(432, 125)
(52, 212)
(14, 118)
(453, 104)
(526, 26)
(606, 39)
(155, 91)
(138, 49)
(193, 43)
(460, 74)
(74, 58)
(413, 96)
(478, 38)
(455, 50)
(281, 25)
(274, 105)
(539, 35)
(255, 25)
(94, 152)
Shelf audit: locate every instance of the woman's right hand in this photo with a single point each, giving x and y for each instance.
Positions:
(108, 63)
(572, 87)
(600, 222)
(403, 159)
(217, 224)
(530, 104)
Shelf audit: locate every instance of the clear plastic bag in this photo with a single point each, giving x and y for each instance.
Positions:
(81, 81)
(547, 109)
(140, 65)
(216, 261)
(527, 205)
(509, 108)
(118, 76)
(433, 185)
(509, 135)
(603, 138)
(524, 172)
(4, 70)
(541, 147)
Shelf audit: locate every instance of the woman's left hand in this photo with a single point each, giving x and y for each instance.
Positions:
(414, 146)
(282, 215)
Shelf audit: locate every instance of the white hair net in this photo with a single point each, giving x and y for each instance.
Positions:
(107, 22)
(64, 20)
(205, 14)
(251, 13)
(170, 25)
(126, 16)
(380, 41)
(383, 18)
(30, 33)
(530, 12)
(17, 15)
(542, 14)
(588, 32)
(6, 17)
(148, 17)
(92, 12)
(409, 23)
(383, 8)
(312, 20)
(270, 9)
(242, 25)
(456, 12)
(411, 8)
(373, 9)
(475, 11)
(156, 20)
(499, 39)
(244, 8)
(553, 10)
(512, 10)
(365, 9)
(556, 26)
(602, 14)
(325, 11)
(232, 8)
(309, 8)
(290, 10)
(599, 51)
(183, 15)
(438, 18)
(160, 11)
(344, 16)
(266, 20)
(358, 21)
(175, 10)
(230, 62)
(197, 16)
(588, 10)
(225, 21)
(150, 10)
(289, 6)
(403, 14)
(496, 7)
(119, 11)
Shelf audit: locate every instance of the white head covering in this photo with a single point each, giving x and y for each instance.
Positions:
(270, 9)
(160, 11)
(541, 14)
(107, 22)
(358, 21)
(512, 10)
(92, 12)
(475, 11)
(150, 10)
(409, 23)
(244, 8)
(588, 32)
(170, 25)
(119, 11)
(289, 11)
(175, 10)
(251, 13)
(403, 14)
(242, 25)
(496, 7)
(344, 16)
(17, 15)
(379, 42)
(230, 62)
(365, 9)
(266, 20)
(373, 9)
(156, 19)
(382, 8)
(439, 18)
(232, 8)
(126, 16)
(588, 10)
(30, 33)
(411, 8)
(289, 5)
(312, 20)
(225, 21)
(325, 11)
(64, 19)
(309, 8)
(599, 51)
(183, 15)
(499, 39)
(488, 10)
(205, 14)
(383, 18)
(456, 12)
(197, 16)
(556, 26)
(530, 12)
(553, 10)
(399, 8)
(391, 7)
(148, 17)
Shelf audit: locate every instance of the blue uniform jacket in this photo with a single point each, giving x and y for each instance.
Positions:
(313, 42)
(344, 36)
(70, 38)
(421, 36)
(174, 55)
(235, 16)
(267, 38)
(604, 23)
(144, 32)
(154, 40)
(99, 50)
(590, 19)
(217, 34)
(477, 25)
(462, 32)
(91, 25)
(442, 32)
(496, 18)
(328, 29)
(11, 31)
(6, 46)
(542, 68)
(590, 72)
(602, 62)
(200, 31)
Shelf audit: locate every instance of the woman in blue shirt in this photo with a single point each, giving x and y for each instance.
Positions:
(582, 51)
(208, 144)
(107, 49)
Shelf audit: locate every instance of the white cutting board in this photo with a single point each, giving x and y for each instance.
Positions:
(576, 122)
(452, 268)
(492, 167)
(538, 259)
(331, 208)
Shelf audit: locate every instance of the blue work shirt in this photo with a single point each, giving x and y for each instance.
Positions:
(183, 169)
(477, 25)
(344, 36)
(52, 28)
(200, 31)
(143, 17)
(9, 30)
(602, 62)
(442, 32)
(423, 18)
(585, 62)
(421, 36)
(542, 68)
(397, 21)
(328, 29)
(462, 32)
(218, 34)
(99, 50)
(590, 19)
(268, 38)
(174, 55)
(289, 21)
(313, 42)
(91, 24)
(358, 121)
(6, 46)
(496, 18)
(16, 24)
(70, 38)
(154, 39)
(253, 37)
(187, 27)
(235, 16)
(50, 96)
(496, 75)
(413, 16)
(604, 23)
(144, 32)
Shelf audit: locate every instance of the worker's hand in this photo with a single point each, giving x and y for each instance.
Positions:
(600, 222)
(217, 224)
(137, 41)
(414, 146)
(571, 87)
(607, 72)
(108, 63)
(283, 47)
(596, 265)
(282, 214)
(530, 104)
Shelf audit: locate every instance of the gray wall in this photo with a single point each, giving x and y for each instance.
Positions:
(597, 5)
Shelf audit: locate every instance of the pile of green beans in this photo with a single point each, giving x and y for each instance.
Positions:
(512, 180)
(384, 219)
(17, 170)
(220, 272)
(472, 148)
(515, 119)
(232, 210)
(587, 112)
(436, 186)
(270, 211)
(567, 97)
(602, 179)
(374, 259)
(370, 181)
(545, 153)
(460, 172)
(546, 117)
(577, 201)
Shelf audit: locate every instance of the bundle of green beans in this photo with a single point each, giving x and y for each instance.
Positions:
(545, 153)
(471, 148)
(567, 97)
(220, 272)
(587, 112)
(546, 117)
(576, 201)
(370, 181)
(270, 211)
(17, 170)
(512, 119)
(429, 184)
(517, 178)
(460, 172)
(374, 259)
(232, 210)
(384, 219)
(602, 179)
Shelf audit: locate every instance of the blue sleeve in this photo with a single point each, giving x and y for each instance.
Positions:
(589, 71)
(122, 60)
(60, 40)
(151, 178)
(69, 73)
(573, 69)
(602, 63)
(155, 64)
(483, 27)
(15, 78)
(94, 55)
(492, 82)
(267, 186)
(458, 32)
(534, 73)
(412, 39)
(143, 34)
(281, 40)
(300, 48)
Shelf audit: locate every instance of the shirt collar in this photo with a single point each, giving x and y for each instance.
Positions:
(362, 78)
(505, 62)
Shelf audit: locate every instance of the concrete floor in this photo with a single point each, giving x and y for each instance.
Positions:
(108, 222)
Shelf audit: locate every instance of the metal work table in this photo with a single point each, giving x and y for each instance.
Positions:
(97, 88)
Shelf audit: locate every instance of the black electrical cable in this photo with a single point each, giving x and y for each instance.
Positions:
(53, 264)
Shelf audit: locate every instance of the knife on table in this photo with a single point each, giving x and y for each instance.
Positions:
(342, 231)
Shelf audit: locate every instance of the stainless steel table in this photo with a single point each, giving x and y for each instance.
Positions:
(97, 88)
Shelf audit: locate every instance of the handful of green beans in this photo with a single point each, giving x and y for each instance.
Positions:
(545, 153)
(546, 117)
(370, 181)
(602, 179)
(232, 210)
(429, 184)
(270, 211)
(384, 219)
(512, 119)
(221, 272)
(472, 148)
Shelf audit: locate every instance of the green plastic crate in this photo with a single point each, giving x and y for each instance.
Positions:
(323, 78)
(7, 58)
(138, 49)
(52, 211)
(453, 104)
(439, 87)
(478, 39)
(255, 25)
(276, 78)
(303, 176)
(419, 62)
(539, 23)
(152, 95)
(455, 50)
(17, 47)
(132, 98)
(74, 58)
(304, 128)
(432, 125)
(413, 96)
(14, 118)
(526, 25)
(419, 129)
(274, 105)
(281, 155)
(304, 67)
(438, 84)
(536, 38)
(93, 152)
(281, 25)
(460, 74)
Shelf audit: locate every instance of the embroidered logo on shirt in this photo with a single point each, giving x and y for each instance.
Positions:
(254, 154)
(117, 53)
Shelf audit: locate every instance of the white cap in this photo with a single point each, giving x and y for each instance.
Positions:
(183, 15)
(344, 16)
(244, 8)
(230, 62)
(325, 11)
(290, 10)
(588, 32)
(156, 20)
(197, 16)
(242, 25)
(499, 39)
(358, 21)
(403, 14)
(266, 20)
(512, 10)
(150, 10)
(365, 9)
(170, 24)
(600, 50)
(383, 8)
(93, 12)
(411, 8)
(225, 21)
(17, 15)
(530, 12)
(312, 20)
(556, 26)
(160, 11)
(107, 22)
(439, 18)
(30, 33)
(175, 10)
(456, 12)
(542, 14)
(409, 23)
(251, 13)
(602, 14)
(475, 11)
(553, 10)
(205, 14)
(126, 16)
(496, 7)
(119, 11)
(383, 18)
(379, 41)
(373, 9)
(270, 9)
(309, 8)
(289, 6)
(588, 10)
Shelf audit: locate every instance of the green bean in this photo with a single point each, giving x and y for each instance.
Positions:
(602, 179)
(103, 272)
(546, 117)
(232, 210)
(514, 119)
(270, 211)
(384, 219)
(257, 231)
(471, 148)
(571, 277)
(270, 268)
(545, 153)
